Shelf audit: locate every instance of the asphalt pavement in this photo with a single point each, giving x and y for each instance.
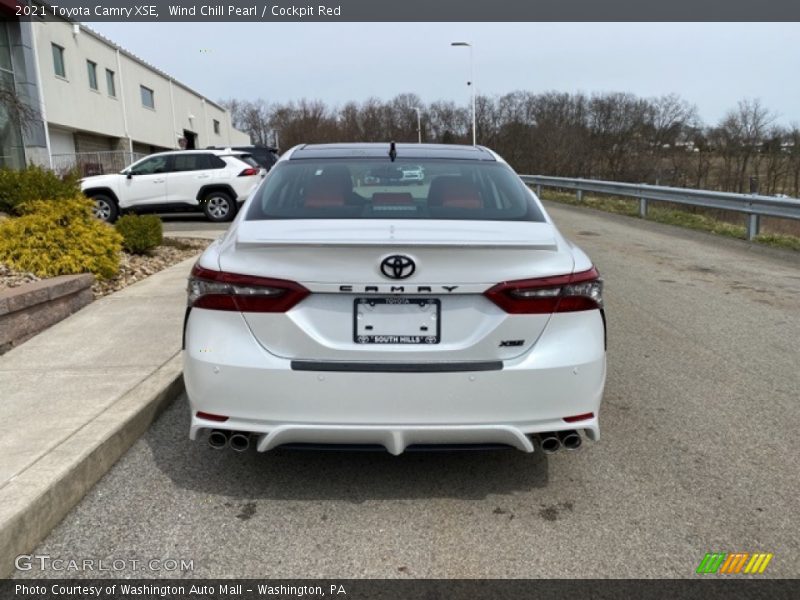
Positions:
(698, 454)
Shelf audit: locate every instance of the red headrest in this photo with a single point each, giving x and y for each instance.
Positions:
(323, 198)
(454, 192)
(461, 196)
(330, 189)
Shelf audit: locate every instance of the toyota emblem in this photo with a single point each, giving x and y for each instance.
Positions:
(398, 266)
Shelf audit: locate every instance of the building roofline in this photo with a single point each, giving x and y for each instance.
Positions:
(144, 63)
(141, 61)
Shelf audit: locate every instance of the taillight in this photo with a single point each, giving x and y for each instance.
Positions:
(211, 416)
(218, 290)
(249, 172)
(582, 417)
(563, 293)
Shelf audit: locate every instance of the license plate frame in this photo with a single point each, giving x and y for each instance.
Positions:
(430, 309)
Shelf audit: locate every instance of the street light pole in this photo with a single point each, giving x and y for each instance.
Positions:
(471, 83)
(419, 125)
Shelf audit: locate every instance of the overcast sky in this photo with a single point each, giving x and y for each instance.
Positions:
(712, 65)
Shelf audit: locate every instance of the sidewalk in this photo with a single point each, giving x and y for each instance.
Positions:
(76, 396)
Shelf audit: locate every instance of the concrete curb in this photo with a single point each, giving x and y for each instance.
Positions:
(40, 497)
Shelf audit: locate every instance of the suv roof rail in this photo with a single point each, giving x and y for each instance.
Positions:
(259, 146)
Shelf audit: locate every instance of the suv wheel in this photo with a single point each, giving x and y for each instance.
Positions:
(105, 208)
(219, 206)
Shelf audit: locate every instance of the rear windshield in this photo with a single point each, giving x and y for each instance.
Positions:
(248, 159)
(373, 189)
(263, 156)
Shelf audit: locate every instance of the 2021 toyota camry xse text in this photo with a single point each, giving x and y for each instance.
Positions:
(447, 312)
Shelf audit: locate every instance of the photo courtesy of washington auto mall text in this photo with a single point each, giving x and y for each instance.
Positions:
(193, 590)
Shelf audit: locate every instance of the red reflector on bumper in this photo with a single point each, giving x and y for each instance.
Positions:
(211, 417)
(583, 417)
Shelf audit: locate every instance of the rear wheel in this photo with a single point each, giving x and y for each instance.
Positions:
(219, 206)
(105, 208)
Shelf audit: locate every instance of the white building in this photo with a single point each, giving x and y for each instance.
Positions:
(101, 106)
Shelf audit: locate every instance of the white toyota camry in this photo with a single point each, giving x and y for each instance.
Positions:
(346, 307)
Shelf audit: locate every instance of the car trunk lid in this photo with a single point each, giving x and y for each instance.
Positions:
(437, 313)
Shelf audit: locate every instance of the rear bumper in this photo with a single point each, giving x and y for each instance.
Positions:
(228, 373)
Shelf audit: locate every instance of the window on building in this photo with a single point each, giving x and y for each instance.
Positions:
(12, 153)
(112, 87)
(5, 49)
(216, 126)
(91, 67)
(58, 60)
(148, 97)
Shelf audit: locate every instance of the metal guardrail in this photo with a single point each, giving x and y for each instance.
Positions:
(752, 205)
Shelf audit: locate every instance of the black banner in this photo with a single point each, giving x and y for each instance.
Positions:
(410, 10)
(733, 588)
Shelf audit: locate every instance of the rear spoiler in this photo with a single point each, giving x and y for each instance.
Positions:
(547, 245)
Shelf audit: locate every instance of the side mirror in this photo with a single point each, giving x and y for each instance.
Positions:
(129, 174)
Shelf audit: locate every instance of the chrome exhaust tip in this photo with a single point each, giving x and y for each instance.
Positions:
(571, 440)
(549, 442)
(218, 439)
(240, 441)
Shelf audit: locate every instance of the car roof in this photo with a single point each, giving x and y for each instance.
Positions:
(216, 151)
(381, 150)
(244, 148)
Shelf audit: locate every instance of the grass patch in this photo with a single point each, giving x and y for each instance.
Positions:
(779, 240)
(619, 206)
(671, 216)
(695, 221)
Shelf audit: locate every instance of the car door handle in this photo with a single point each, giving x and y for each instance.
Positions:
(159, 180)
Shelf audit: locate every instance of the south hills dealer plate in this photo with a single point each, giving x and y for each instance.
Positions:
(397, 320)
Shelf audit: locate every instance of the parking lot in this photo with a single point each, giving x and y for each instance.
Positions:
(176, 223)
(698, 453)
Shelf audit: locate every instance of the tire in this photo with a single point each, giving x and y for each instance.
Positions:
(219, 207)
(105, 208)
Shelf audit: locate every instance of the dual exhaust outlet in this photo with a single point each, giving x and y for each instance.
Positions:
(552, 442)
(219, 439)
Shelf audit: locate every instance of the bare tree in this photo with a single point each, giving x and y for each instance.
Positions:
(620, 145)
(792, 150)
(774, 160)
(609, 136)
(668, 119)
(17, 109)
(251, 117)
(740, 135)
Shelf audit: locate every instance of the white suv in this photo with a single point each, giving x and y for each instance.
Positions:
(412, 174)
(214, 181)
